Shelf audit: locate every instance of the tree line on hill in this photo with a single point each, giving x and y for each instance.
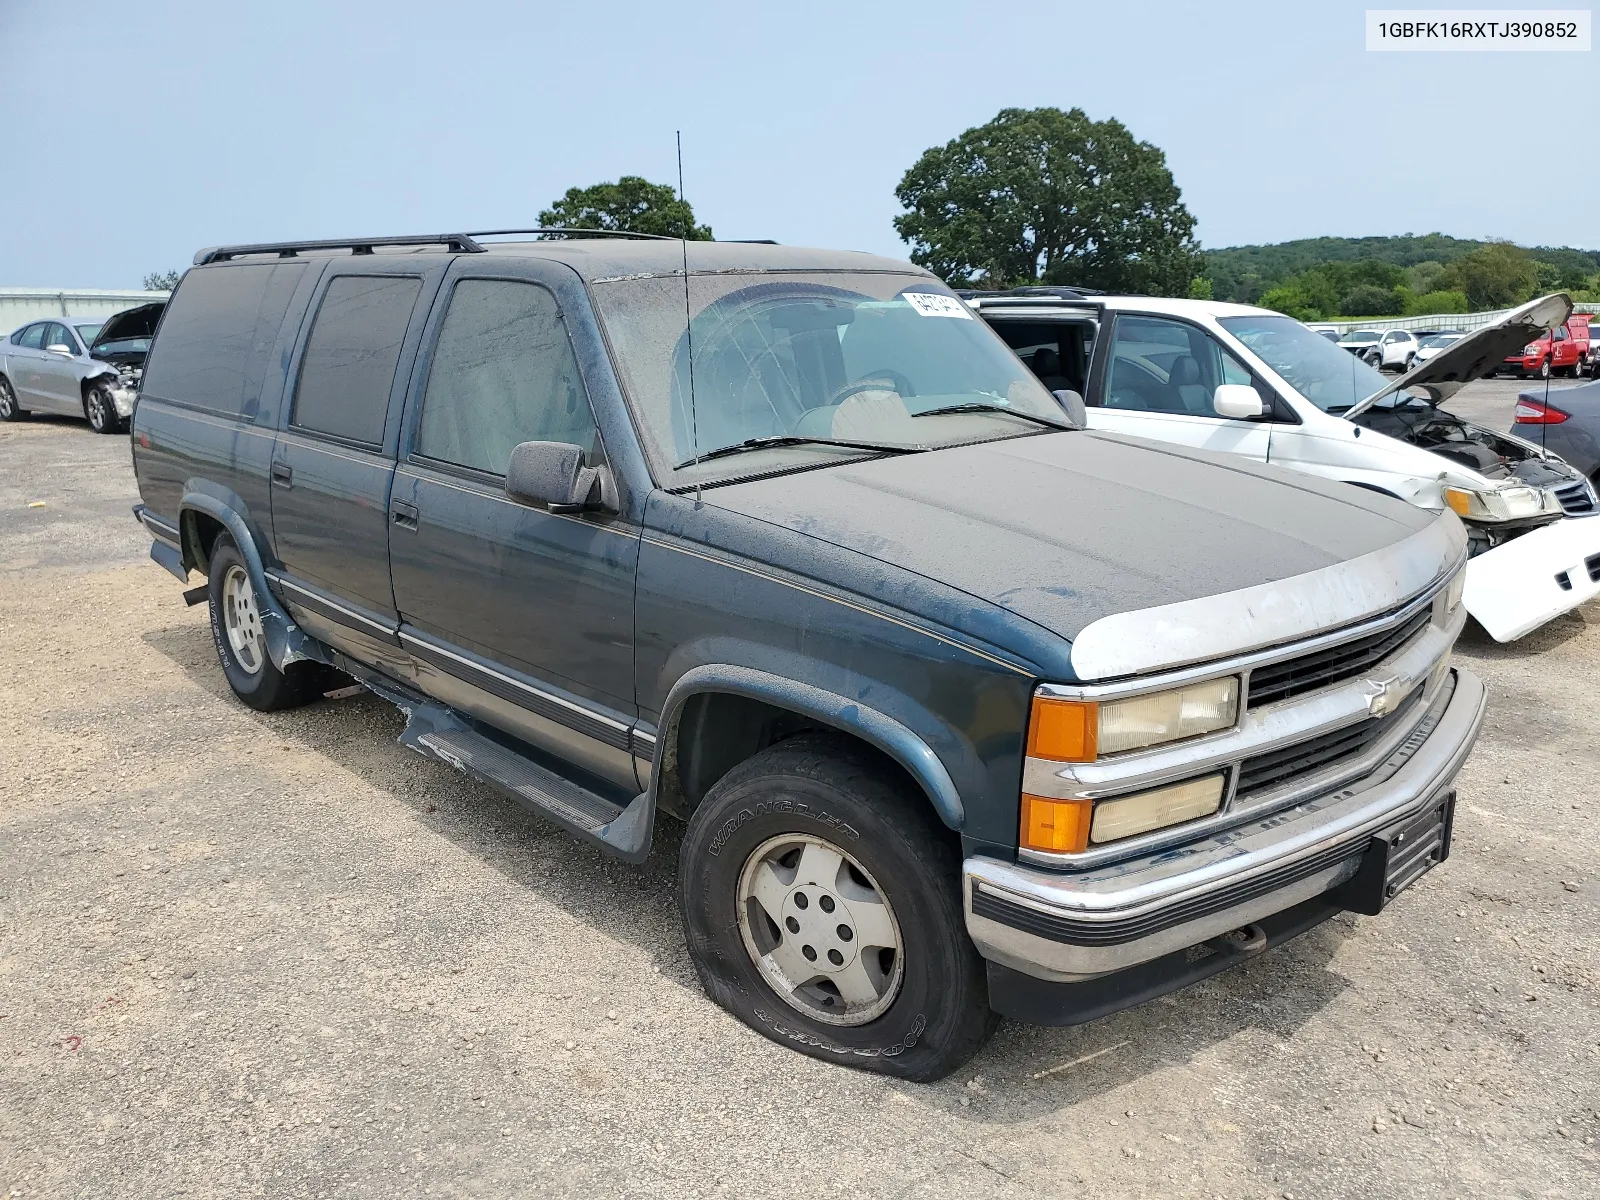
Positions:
(1046, 196)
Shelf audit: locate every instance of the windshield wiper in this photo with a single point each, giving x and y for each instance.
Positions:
(974, 406)
(789, 439)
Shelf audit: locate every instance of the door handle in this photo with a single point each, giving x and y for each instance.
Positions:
(403, 514)
(282, 474)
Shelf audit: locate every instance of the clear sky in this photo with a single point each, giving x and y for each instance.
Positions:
(136, 133)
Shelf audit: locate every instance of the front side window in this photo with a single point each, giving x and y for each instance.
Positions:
(1331, 378)
(56, 335)
(1160, 365)
(503, 372)
(835, 365)
(348, 368)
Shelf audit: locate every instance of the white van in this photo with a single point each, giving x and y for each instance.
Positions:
(1247, 381)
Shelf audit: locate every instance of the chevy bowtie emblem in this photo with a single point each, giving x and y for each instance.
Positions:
(1383, 695)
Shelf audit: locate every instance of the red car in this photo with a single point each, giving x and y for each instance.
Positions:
(1558, 351)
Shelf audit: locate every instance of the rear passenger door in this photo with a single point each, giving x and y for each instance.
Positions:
(26, 359)
(518, 615)
(334, 457)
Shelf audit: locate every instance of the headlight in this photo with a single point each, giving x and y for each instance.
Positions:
(1533, 349)
(1072, 826)
(1498, 504)
(1082, 730)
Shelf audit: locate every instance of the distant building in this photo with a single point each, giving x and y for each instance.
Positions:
(18, 306)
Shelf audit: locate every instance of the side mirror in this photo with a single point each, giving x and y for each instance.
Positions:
(552, 473)
(58, 348)
(1073, 403)
(1238, 401)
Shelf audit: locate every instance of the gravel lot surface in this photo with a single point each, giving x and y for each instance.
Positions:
(279, 955)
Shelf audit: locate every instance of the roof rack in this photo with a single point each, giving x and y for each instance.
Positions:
(575, 231)
(1058, 291)
(457, 242)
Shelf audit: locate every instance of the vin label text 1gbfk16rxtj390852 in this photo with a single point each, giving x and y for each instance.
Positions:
(1478, 29)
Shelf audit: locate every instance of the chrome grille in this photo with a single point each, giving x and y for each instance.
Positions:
(1295, 676)
(1276, 766)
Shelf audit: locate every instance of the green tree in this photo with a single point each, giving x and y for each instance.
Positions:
(1370, 300)
(1437, 302)
(631, 204)
(164, 281)
(1548, 275)
(1291, 300)
(1042, 195)
(1424, 277)
(1496, 275)
(1200, 288)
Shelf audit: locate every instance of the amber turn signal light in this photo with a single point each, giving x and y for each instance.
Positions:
(1063, 730)
(1055, 826)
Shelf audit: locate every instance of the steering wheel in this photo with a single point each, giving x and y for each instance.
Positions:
(872, 381)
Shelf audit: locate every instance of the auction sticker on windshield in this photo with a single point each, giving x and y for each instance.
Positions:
(932, 304)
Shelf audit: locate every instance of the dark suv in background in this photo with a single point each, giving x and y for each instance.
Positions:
(967, 710)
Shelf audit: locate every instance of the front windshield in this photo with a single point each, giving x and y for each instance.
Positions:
(88, 332)
(1443, 340)
(881, 362)
(124, 346)
(1361, 335)
(1331, 378)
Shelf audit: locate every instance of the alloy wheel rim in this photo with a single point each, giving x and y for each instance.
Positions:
(241, 619)
(820, 930)
(97, 408)
(6, 400)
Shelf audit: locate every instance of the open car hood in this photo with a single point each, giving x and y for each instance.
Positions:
(131, 323)
(1475, 355)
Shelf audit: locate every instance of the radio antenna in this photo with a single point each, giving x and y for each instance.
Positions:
(688, 331)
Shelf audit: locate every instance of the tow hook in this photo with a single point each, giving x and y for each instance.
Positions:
(1245, 942)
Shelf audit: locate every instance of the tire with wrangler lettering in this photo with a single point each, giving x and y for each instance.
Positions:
(821, 899)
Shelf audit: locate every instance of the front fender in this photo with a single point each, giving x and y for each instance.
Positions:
(286, 641)
(892, 736)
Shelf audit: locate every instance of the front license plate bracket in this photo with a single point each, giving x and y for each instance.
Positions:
(1399, 856)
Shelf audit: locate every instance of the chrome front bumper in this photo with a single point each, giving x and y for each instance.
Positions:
(1072, 926)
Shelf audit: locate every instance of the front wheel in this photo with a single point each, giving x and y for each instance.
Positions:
(101, 409)
(822, 906)
(241, 642)
(10, 410)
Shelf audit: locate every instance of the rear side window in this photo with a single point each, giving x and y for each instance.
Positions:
(218, 334)
(32, 337)
(503, 373)
(348, 368)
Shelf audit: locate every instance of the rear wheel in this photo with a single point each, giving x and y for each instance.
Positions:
(101, 409)
(10, 410)
(241, 642)
(822, 907)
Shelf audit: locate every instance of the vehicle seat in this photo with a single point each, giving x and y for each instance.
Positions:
(1046, 364)
(1192, 395)
(874, 416)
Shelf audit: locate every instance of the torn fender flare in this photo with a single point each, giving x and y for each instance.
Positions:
(848, 716)
(286, 642)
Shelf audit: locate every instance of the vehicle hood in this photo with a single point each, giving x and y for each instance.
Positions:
(131, 323)
(1475, 355)
(1064, 529)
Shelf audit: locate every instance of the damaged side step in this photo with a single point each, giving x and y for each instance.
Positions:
(623, 831)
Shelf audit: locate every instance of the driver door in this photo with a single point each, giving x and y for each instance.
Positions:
(1156, 380)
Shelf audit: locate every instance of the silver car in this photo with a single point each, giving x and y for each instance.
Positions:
(46, 367)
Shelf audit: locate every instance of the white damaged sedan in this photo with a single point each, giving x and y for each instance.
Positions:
(1244, 380)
